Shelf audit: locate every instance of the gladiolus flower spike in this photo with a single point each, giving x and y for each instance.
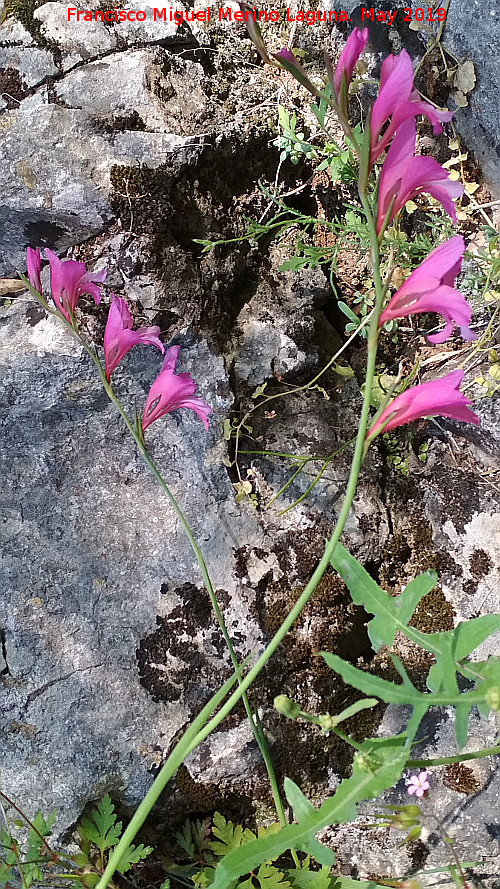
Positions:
(171, 391)
(119, 338)
(398, 101)
(34, 267)
(404, 176)
(69, 280)
(440, 398)
(430, 289)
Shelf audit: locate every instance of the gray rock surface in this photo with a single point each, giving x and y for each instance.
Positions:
(77, 40)
(60, 197)
(33, 64)
(91, 555)
(83, 88)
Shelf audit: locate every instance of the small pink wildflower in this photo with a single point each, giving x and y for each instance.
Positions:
(171, 391)
(69, 280)
(119, 338)
(418, 784)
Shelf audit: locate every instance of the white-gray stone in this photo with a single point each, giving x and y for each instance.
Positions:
(33, 64)
(79, 39)
(101, 89)
(54, 181)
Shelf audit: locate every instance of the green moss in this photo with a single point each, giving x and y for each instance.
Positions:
(23, 10)
(433, 613)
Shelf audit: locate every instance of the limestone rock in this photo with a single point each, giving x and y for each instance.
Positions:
(76, 39)
(55, 179)
(33, 64)
(101, 89)
(91, 554)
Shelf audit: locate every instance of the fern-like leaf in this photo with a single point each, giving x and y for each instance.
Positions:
(102, 828)
(229, 836)
(132, 855)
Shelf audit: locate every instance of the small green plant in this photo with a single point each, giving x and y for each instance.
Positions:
(99, 833)
(27, 858)
(293, 144)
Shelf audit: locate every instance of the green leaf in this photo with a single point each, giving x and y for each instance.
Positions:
(387, 691)
(352, 317)
(269, 877)
(101, 828)
(296, 799)
(230, 837)
(386, 759)
(131, 856)
(392, 614)
(304, 878)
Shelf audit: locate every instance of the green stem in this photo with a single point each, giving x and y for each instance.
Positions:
(179, 753)
(256, 726)
(450, 760)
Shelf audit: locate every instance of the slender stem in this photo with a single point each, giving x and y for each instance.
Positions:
(256, 727)
(25, 818)
(15, 850)
(449, 760)
(179, 752)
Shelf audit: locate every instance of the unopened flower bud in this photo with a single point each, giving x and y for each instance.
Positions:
(493, 697)
(287, 707)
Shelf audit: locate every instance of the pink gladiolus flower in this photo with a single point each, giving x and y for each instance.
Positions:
(404, 176)
(430, 289)
(399, 101)
(171, 391)
(34, 266)
(119, 338)
(438, 398)
(419, 784)
(69, 280)
(350, 55)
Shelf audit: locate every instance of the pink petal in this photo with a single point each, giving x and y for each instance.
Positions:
(119, 338)
(350, 55)
(69, 279)
(429, 289)
(171, 391)
(34, 268)
(404, 176)
(403, 111)
(439, 397)
(396, 84)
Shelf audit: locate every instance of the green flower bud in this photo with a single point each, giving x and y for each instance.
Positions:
(287, 707)
(493, 697)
